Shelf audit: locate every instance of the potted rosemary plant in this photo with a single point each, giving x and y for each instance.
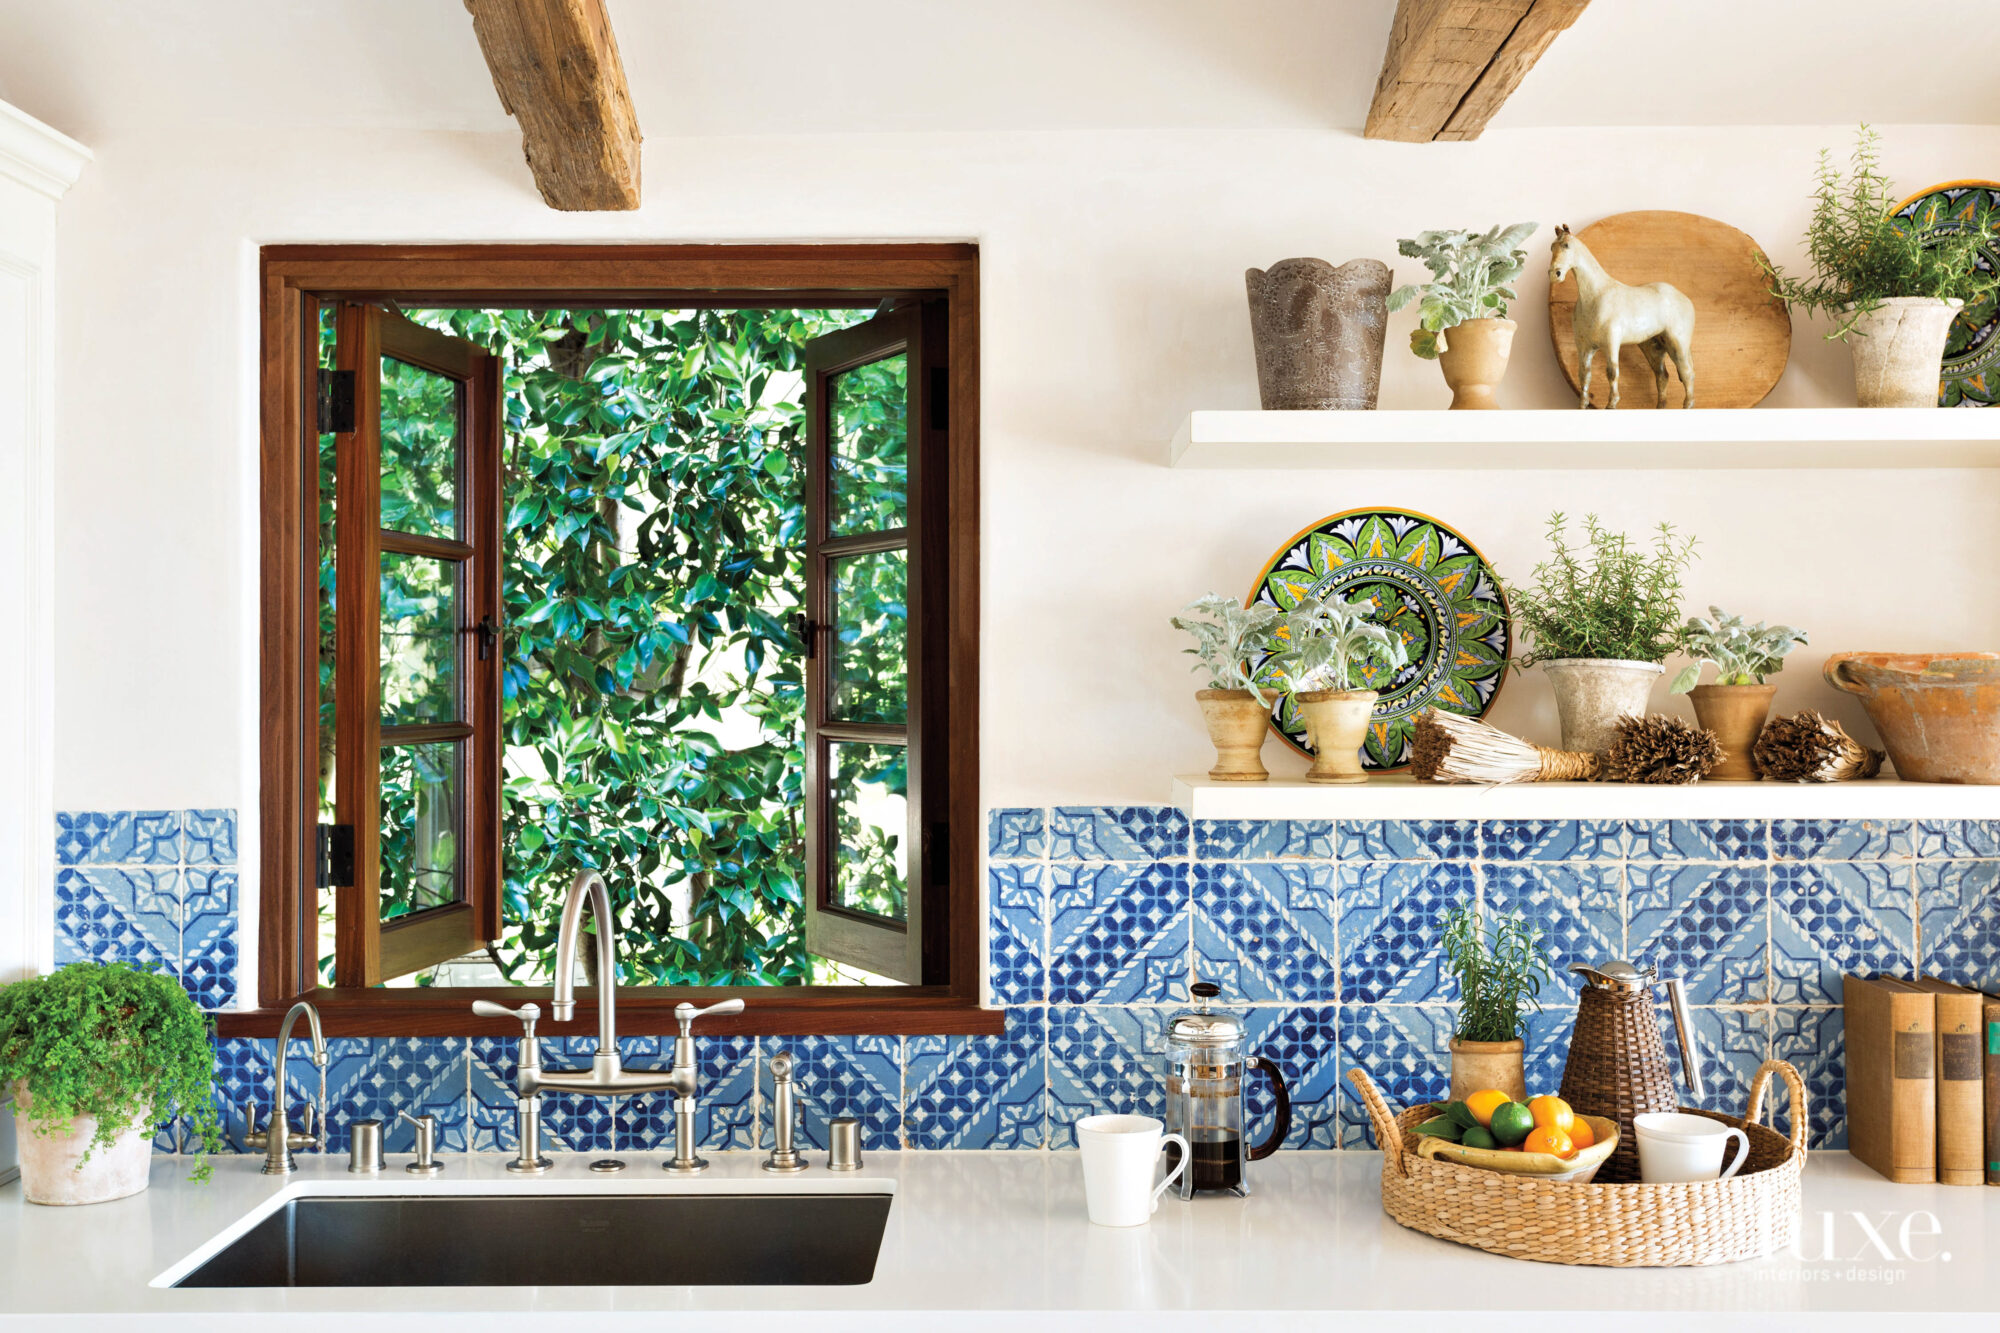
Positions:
(1891, 288)
(1227, 635)
(1500, 971)
(1462, 319)
(1734, 708)
(1325, 644)
(97, 1054)
(1604, 615)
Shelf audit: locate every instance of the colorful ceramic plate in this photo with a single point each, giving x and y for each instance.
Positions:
(1972, 353)
(1426, 581)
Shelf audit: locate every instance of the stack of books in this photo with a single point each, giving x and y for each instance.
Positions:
(1923, 1080)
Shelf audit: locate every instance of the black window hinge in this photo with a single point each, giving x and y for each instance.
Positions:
(937, 859)
(488, 630)
(336, 402)
(334, 863)
(807, 631)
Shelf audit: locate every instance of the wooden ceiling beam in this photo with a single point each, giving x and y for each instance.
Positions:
(1451, 64)
(555, 65)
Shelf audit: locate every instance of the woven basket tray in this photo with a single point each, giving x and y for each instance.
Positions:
(1619, 1226)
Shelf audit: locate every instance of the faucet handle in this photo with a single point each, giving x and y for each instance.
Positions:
(527, 1014)
(685, 1013)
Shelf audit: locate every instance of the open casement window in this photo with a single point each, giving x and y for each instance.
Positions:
(875, 414)
(417, 599)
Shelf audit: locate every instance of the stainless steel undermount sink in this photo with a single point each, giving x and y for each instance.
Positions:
(518, 1240)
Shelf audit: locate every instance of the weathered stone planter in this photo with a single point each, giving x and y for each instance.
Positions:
(1237, 723)
(1318, 333)
(1593, 693)
(1488, 1064)
(1900, 359)
(49, 1163)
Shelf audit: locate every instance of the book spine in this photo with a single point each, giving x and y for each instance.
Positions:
(1961, 1084)
(1992, 1045)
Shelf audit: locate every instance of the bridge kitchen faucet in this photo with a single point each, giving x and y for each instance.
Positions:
(607, 1076)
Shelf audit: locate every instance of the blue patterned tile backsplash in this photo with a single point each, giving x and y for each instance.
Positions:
(1323, 934)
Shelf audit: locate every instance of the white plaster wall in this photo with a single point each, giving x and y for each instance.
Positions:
(1113, 304)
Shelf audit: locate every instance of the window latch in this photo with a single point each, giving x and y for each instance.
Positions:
(488, 630)
(333, 866)
(807, 630)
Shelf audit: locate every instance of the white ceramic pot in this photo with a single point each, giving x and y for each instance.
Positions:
(49, 1162)
(1899, 360)
(1593, 693)
(1336, 725)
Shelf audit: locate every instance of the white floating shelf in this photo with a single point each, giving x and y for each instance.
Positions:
(1544, 440)
(1398, 796)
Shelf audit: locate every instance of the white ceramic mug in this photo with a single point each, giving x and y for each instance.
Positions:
(1120, 1153)
(1676, 1147)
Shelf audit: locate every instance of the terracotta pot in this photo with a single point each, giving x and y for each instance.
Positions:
(1336, 724)
(1735, 713)
(1237, 723)
(1318, 333)
(49, 1162)
(1938, 713)
(1592, 693)
(1473, 357)
(1488, 1064)
(1900, 360)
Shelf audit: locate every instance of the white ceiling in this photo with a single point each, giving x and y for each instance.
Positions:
(706, 67)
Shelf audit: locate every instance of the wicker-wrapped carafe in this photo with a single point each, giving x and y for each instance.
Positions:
(1617, 1063)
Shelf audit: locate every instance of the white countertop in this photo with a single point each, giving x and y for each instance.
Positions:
(988, 1234)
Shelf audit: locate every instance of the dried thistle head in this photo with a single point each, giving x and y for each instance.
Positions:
(1661, 749)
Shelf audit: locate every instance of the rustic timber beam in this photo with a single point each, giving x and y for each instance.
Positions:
(1451, 64)
(555, 65)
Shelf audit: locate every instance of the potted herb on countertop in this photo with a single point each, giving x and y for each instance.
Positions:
(1500, 972)
(98, 1054)
(1891, 287)
(1326, 644)
(1227, 635)
(1603, 615)
(1462, 311)
(1735, 706)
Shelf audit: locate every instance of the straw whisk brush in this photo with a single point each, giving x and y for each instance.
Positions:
(1449, 747)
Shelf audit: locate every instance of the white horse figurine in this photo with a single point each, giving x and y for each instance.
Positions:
(1658, 317)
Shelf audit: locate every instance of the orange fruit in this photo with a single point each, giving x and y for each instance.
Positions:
(1551, 1112)
(1484, 1103)
(1581, 1135)
(1549, 1139)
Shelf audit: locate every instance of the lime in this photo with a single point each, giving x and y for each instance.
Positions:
(1479, 1138)
(1512, 1123)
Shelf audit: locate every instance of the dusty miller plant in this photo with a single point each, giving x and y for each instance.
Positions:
(1861, 253)
(1742, 654)
(1326, 640)
(1609, 598)
(1499, 970)
(1231, 633)
(1470, 279)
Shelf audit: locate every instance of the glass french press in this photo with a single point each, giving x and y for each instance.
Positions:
(1206, 1063)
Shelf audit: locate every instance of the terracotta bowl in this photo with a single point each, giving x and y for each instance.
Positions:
(1938, 713)
(1575, 1170)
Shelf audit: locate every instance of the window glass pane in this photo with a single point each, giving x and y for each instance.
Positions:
(327, 658)
(871, 635)
(867, 427)
(870, 786)
(419, 450)
(421, 833)
(419, 640)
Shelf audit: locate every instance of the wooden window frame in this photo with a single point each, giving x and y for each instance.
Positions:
(293, 280)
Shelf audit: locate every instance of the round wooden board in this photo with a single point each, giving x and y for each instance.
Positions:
(1742, 335)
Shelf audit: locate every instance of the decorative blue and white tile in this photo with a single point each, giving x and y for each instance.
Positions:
(725, 1111)
(1407, 839)
(1545, 1052)
(242, 1077)
(1405, 1051)
(1263, 839)
(1103, 1062)
(378, 1078)
(1958, 837)
(1839, 839)
(1017, 934)
(1118, 934)
(490, 1105)
(836, 1076)
(1264, 930)
(1551, 839)
(1580, 909)
(979, 1092)
(118, 837)
(108, 914)
(1117, 833)
(208, 837)
(1958, 906)
(1391, 917)
(1731, 1045)
(1705, 924)
(1016, 834)
(1814, 1041)
(1830, 918)
(569, 1122)
(208, 935)
(1304, 1042)
(1696, 840)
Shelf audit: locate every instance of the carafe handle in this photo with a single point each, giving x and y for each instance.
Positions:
(1284, 1096)
(1684, 1034)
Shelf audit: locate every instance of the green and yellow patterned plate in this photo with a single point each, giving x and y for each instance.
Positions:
(1971, 375)
(1425, 580)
